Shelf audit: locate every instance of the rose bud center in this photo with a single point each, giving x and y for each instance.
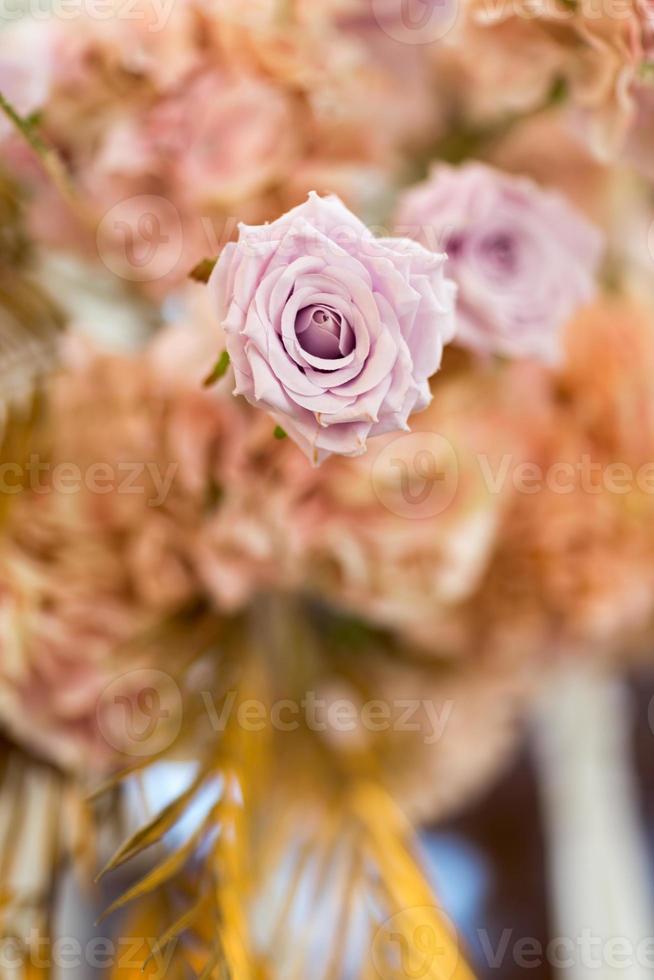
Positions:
(323, 332)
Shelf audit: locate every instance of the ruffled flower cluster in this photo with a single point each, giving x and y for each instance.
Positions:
(428, 407)
(496, 535)
(404, 534)
(515, 55)
(117, 531)
(523, 260)
(512, 523)
(176, 123)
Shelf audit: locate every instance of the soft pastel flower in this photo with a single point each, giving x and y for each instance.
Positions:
(614, 405)
(573, 567)
(402, 536)
(111, 53)
(110, 539)
(488, 72)
(524, 260)
(514, 54)
(65, 610)
(333, 331)
(546, 148)
(220, 113)
(572, 573)
(218, 139)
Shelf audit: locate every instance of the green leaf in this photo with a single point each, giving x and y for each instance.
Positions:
(218, 370)
(280, 433)
(24, 125)
(202, 271)
(51, 160)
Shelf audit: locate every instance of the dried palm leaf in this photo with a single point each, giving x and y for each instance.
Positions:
(303, 865)
(136, 959)
(43, 822)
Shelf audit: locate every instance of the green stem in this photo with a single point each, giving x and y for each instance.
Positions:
(48, 155)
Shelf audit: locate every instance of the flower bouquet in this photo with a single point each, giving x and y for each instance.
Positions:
(375, 457)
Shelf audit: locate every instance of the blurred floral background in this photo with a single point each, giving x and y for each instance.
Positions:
(326, 489)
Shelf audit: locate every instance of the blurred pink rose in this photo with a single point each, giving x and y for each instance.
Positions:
(220, 112)
(334, 332)
(107, 51)
(217, 139)
(524, 260)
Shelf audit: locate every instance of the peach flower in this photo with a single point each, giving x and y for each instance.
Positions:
(403, 535)
(573, 568)
(515, 51)
(572, 573)
(177, 123)
(615, 405)
(546, 148)
(217, 139)
(102, 546)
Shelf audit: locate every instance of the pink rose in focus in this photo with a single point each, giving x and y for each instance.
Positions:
(523, 259)
(333, 331)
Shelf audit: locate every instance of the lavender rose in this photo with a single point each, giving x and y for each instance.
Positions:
(333, 331)
(524, 260)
